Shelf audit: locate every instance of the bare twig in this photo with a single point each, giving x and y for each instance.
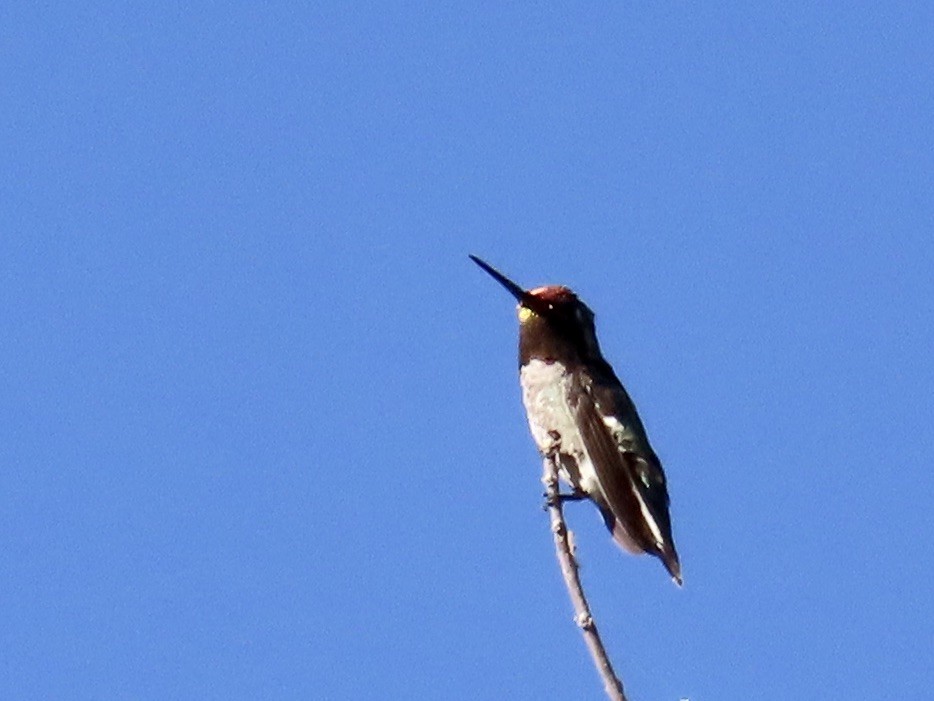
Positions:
(582, 615)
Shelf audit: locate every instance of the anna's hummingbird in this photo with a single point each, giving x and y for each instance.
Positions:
(579, 411)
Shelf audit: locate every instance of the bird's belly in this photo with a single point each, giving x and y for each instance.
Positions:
(545, 391)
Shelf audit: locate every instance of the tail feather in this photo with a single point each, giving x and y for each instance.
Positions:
(667, 554)
(669, 558)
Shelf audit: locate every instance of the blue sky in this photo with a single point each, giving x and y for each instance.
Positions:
(260, 423)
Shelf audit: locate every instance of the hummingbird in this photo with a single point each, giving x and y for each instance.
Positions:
(580, 413)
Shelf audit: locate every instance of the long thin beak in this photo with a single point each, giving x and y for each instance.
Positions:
(521, 295)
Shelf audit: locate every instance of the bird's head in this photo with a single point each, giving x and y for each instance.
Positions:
(553, 322)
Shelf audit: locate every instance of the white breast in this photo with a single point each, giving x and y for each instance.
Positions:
(545, 388)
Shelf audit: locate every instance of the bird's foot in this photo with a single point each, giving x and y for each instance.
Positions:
(558, 499)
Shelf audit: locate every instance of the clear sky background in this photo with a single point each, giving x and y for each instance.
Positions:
(260, 424)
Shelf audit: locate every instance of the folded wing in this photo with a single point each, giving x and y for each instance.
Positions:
(632, 480)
